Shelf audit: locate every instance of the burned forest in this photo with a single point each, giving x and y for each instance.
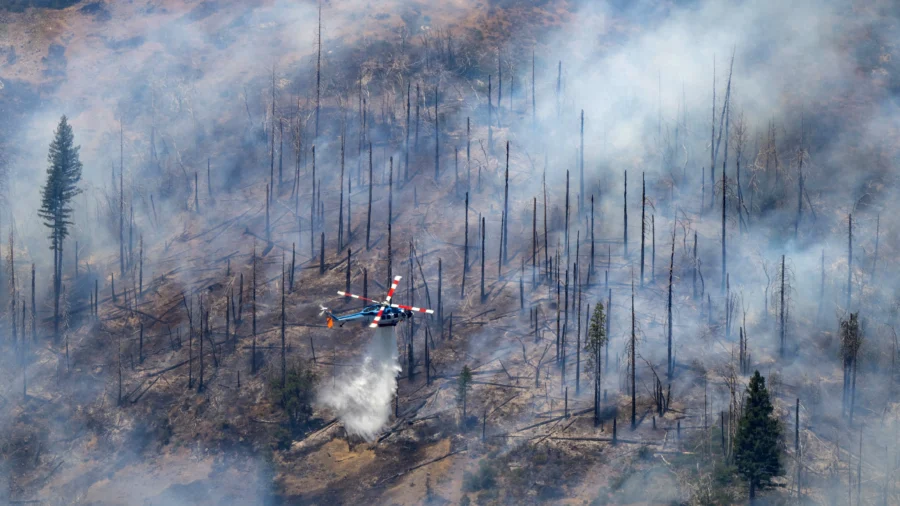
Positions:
(411, 252)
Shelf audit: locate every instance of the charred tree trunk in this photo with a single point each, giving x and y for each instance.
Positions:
(322, 254)
(578, 344)
(593, 242)
(293, 268)
(465, 249)
(643, 223)
(712, 142)
(190, 310)
(122, 201)
(341, 201)
(567, 219)
(533, 95)
(877, 237)
(547, 265)
(632, 358)
(349, 259)
(283, 340)
(781, 316)
(625, 216)
(390, 219)
(427, 360)
(312, 209)
(268, 223)
(140, 267)
(652, 248)
(505, 233)
(468, 155)
(499, 87)
(440, 287)
(581, 168)
(849, 261)
(318, 71)
(369, 214)
(228, 323)
(200, 338)
(406, 144)
(483, 225)
(670, 365)
(280, 153)
(694, 269)
(724, 191)
(365, 284)
(34, 310)
(534, 243)
(418, 101)
(253, 314)
(437, 138)
(490, 117)
(240, 306)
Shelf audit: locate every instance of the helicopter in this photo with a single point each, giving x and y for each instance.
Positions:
(381, 313)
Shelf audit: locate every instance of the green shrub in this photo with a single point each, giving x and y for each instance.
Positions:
(644, 452)
(297, 396)
(484, 478)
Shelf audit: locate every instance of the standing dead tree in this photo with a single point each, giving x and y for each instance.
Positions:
(340, 241)
(643, 223)
(437, 138)
(390, 220)
(406, 143)
(318, 71)
(253, 313)
(851, 340)
(483, 226)
(581, 168)
(739, 140)
(669, 363)
(505, 233)
(783, 293)
(625, 216)
(849, 260)
(369, 213)
(465, 249)
(631, 357)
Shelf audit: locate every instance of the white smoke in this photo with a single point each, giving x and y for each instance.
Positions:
(362, 396)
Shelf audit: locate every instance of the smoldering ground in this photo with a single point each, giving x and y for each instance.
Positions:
(199, 85)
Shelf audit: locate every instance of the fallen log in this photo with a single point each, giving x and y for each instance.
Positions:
(167, 369)
(432, 461)
(605, 440)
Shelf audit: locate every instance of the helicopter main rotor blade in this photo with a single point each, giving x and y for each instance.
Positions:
(374, 323)
(393, 288)
(345, 294)
(412, 308)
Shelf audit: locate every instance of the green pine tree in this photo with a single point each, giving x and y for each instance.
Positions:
(596, 339)
(756, 452)
(63, 175)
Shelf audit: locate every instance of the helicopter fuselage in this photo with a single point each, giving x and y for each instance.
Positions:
(390, 317)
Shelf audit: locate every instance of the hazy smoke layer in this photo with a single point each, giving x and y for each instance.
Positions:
(362, 395)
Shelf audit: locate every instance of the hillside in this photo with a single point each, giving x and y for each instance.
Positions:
(238, 173)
